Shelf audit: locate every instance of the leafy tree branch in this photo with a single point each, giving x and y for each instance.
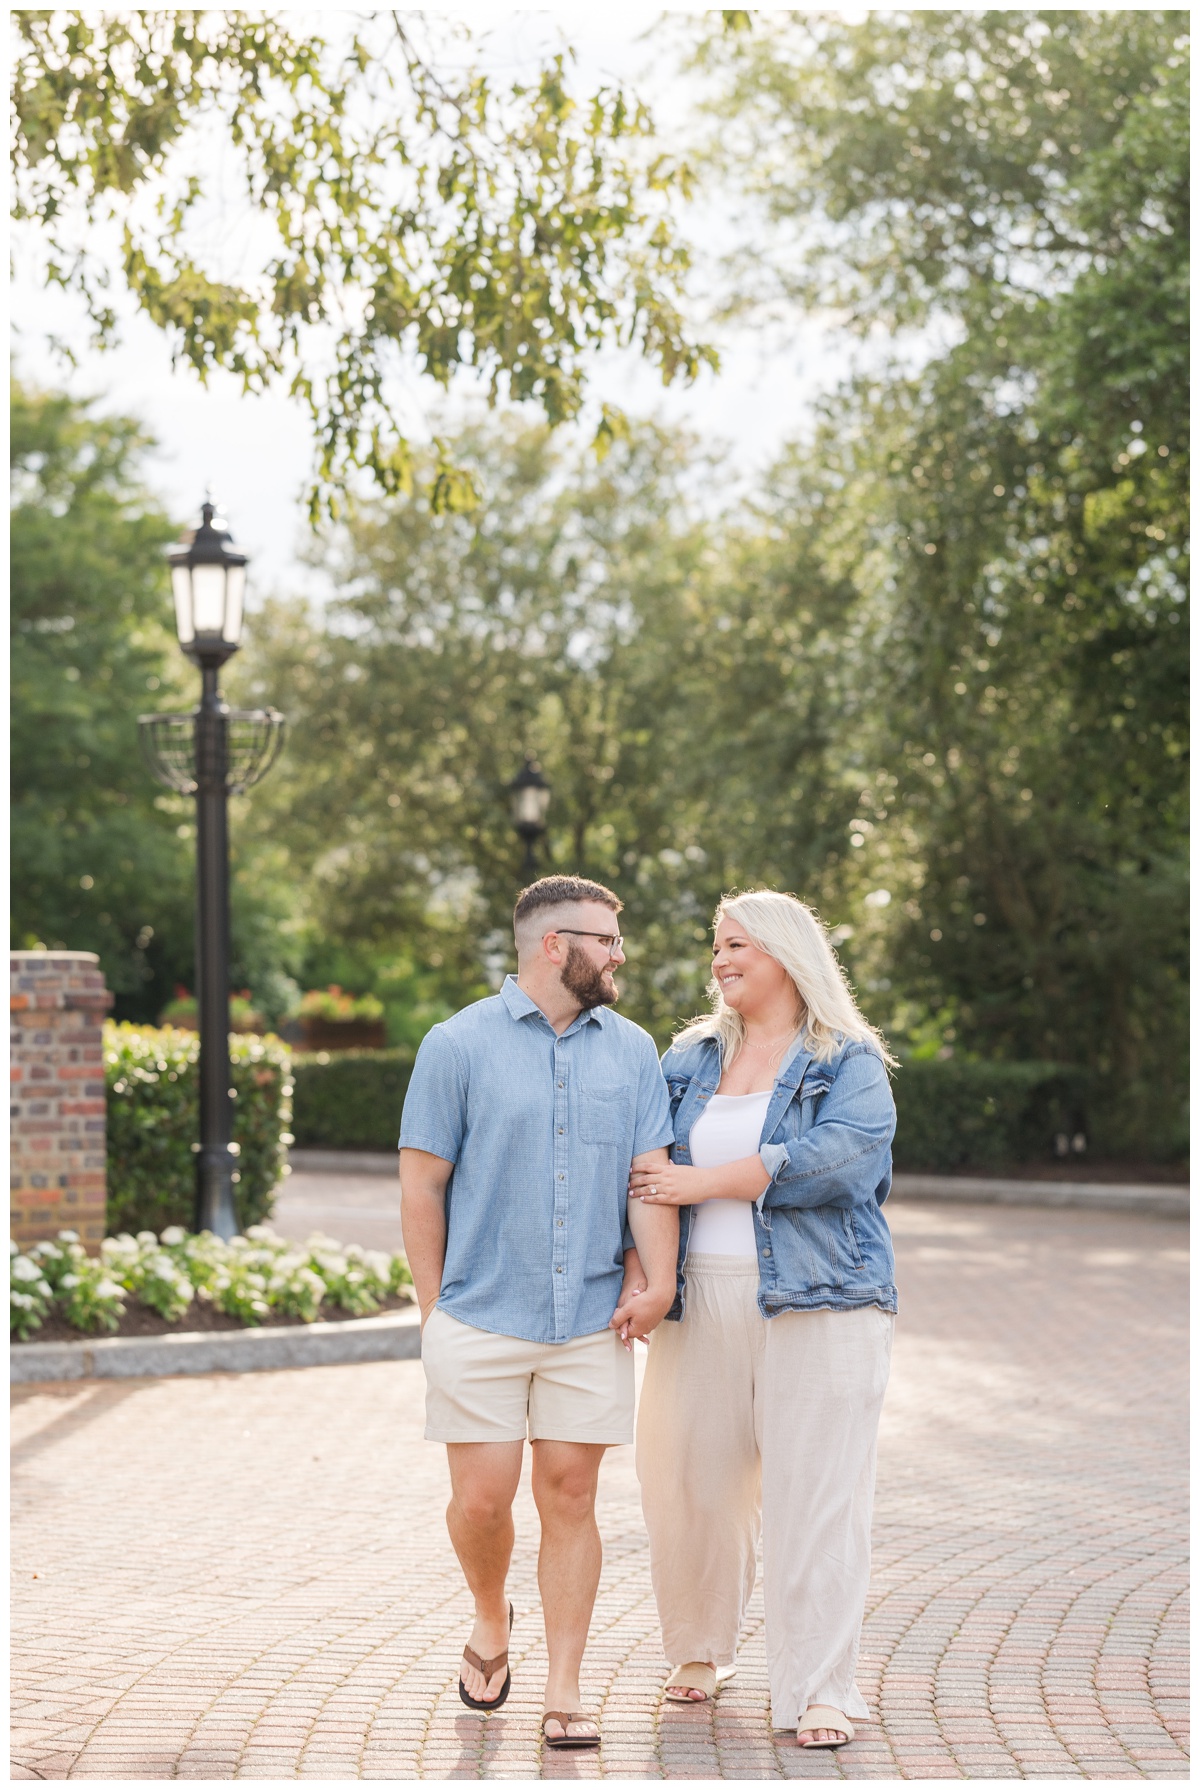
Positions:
(395, 218)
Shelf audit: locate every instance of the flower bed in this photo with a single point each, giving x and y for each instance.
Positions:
(182, 1281)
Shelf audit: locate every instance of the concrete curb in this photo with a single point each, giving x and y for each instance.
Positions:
(1159, 1201)
(392, 1336)
(345, 1162)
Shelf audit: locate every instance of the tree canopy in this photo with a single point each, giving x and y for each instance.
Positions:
(102, 859)
(1016, 513)
(89, 645)
(930, 675)
(335, 211)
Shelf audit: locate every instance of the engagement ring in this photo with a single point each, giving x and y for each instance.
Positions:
(653, 1188)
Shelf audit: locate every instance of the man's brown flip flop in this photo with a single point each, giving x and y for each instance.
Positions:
(488, 1667)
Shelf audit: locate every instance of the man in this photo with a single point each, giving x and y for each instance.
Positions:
(523, 1118)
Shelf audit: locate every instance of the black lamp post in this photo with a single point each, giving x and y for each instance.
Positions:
(211, 753)
(529, 795)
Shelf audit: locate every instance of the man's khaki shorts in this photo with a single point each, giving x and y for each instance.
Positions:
(486, 1388)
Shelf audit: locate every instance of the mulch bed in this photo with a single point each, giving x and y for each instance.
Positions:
(139, 1320)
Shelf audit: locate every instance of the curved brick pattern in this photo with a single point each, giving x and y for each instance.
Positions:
(249, 1577)
(57, 1004)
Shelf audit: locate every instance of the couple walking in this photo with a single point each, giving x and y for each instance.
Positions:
(562, 1195)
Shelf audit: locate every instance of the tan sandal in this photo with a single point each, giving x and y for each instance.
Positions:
(820, 1715)
(696, 1675)
(566, 1739)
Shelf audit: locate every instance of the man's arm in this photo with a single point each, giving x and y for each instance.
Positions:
(656, 1236)
(423, 1182)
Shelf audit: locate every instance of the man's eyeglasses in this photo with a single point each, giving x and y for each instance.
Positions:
(612, 941)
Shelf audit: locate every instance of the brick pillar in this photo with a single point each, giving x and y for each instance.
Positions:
(58, 1003)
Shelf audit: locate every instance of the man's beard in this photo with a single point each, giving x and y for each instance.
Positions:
(581, 978)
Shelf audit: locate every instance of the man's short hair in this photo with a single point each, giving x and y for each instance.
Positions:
(557, 891)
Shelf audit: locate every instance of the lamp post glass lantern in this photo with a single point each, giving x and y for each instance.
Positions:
(529, 797)
(208, 577)
(212, 753)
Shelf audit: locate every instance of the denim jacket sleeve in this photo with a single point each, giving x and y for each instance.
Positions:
(840, 1159)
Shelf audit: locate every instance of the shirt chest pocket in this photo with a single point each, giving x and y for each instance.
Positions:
(603, 1113)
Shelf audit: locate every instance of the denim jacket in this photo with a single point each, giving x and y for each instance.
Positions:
(823, 1242)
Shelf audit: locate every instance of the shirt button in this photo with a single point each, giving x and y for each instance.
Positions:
(560, 1131)
(558, 1270)
(559, 1223)
(766, 1252)
(560, 1084)
(562, 1177)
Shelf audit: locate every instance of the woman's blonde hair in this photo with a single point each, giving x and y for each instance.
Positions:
(792, 934)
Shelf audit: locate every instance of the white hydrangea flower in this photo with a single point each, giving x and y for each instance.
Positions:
(173, 1235)
(25, 1270)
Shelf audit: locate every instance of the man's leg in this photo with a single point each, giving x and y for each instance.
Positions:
(483, 1479)
(564, 1490)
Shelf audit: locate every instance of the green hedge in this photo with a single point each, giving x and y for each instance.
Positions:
(349, 1099)
(153, 1121)
(954, 1114)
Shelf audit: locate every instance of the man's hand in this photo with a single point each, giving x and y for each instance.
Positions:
(641, 1312)
(634, 1283)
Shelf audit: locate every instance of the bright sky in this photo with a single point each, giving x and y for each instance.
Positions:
(256, 452)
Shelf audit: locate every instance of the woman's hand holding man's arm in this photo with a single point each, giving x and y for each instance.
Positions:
(680, 1184)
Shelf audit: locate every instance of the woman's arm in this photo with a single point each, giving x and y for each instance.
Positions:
(841, 1157)
(681, 1184)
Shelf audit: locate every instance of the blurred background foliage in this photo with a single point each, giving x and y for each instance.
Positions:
(930, 674)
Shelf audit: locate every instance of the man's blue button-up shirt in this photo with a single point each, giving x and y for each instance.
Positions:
(541, 1129)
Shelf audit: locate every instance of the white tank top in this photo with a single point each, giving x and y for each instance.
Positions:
(728, 1130)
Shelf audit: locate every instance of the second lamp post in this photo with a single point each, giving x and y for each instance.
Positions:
(529, 794)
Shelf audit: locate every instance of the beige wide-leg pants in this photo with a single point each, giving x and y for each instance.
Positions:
(745, 1424)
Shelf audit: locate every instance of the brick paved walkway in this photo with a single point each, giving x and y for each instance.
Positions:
(249, 1577)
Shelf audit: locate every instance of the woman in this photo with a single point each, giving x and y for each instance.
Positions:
(761, 1401)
